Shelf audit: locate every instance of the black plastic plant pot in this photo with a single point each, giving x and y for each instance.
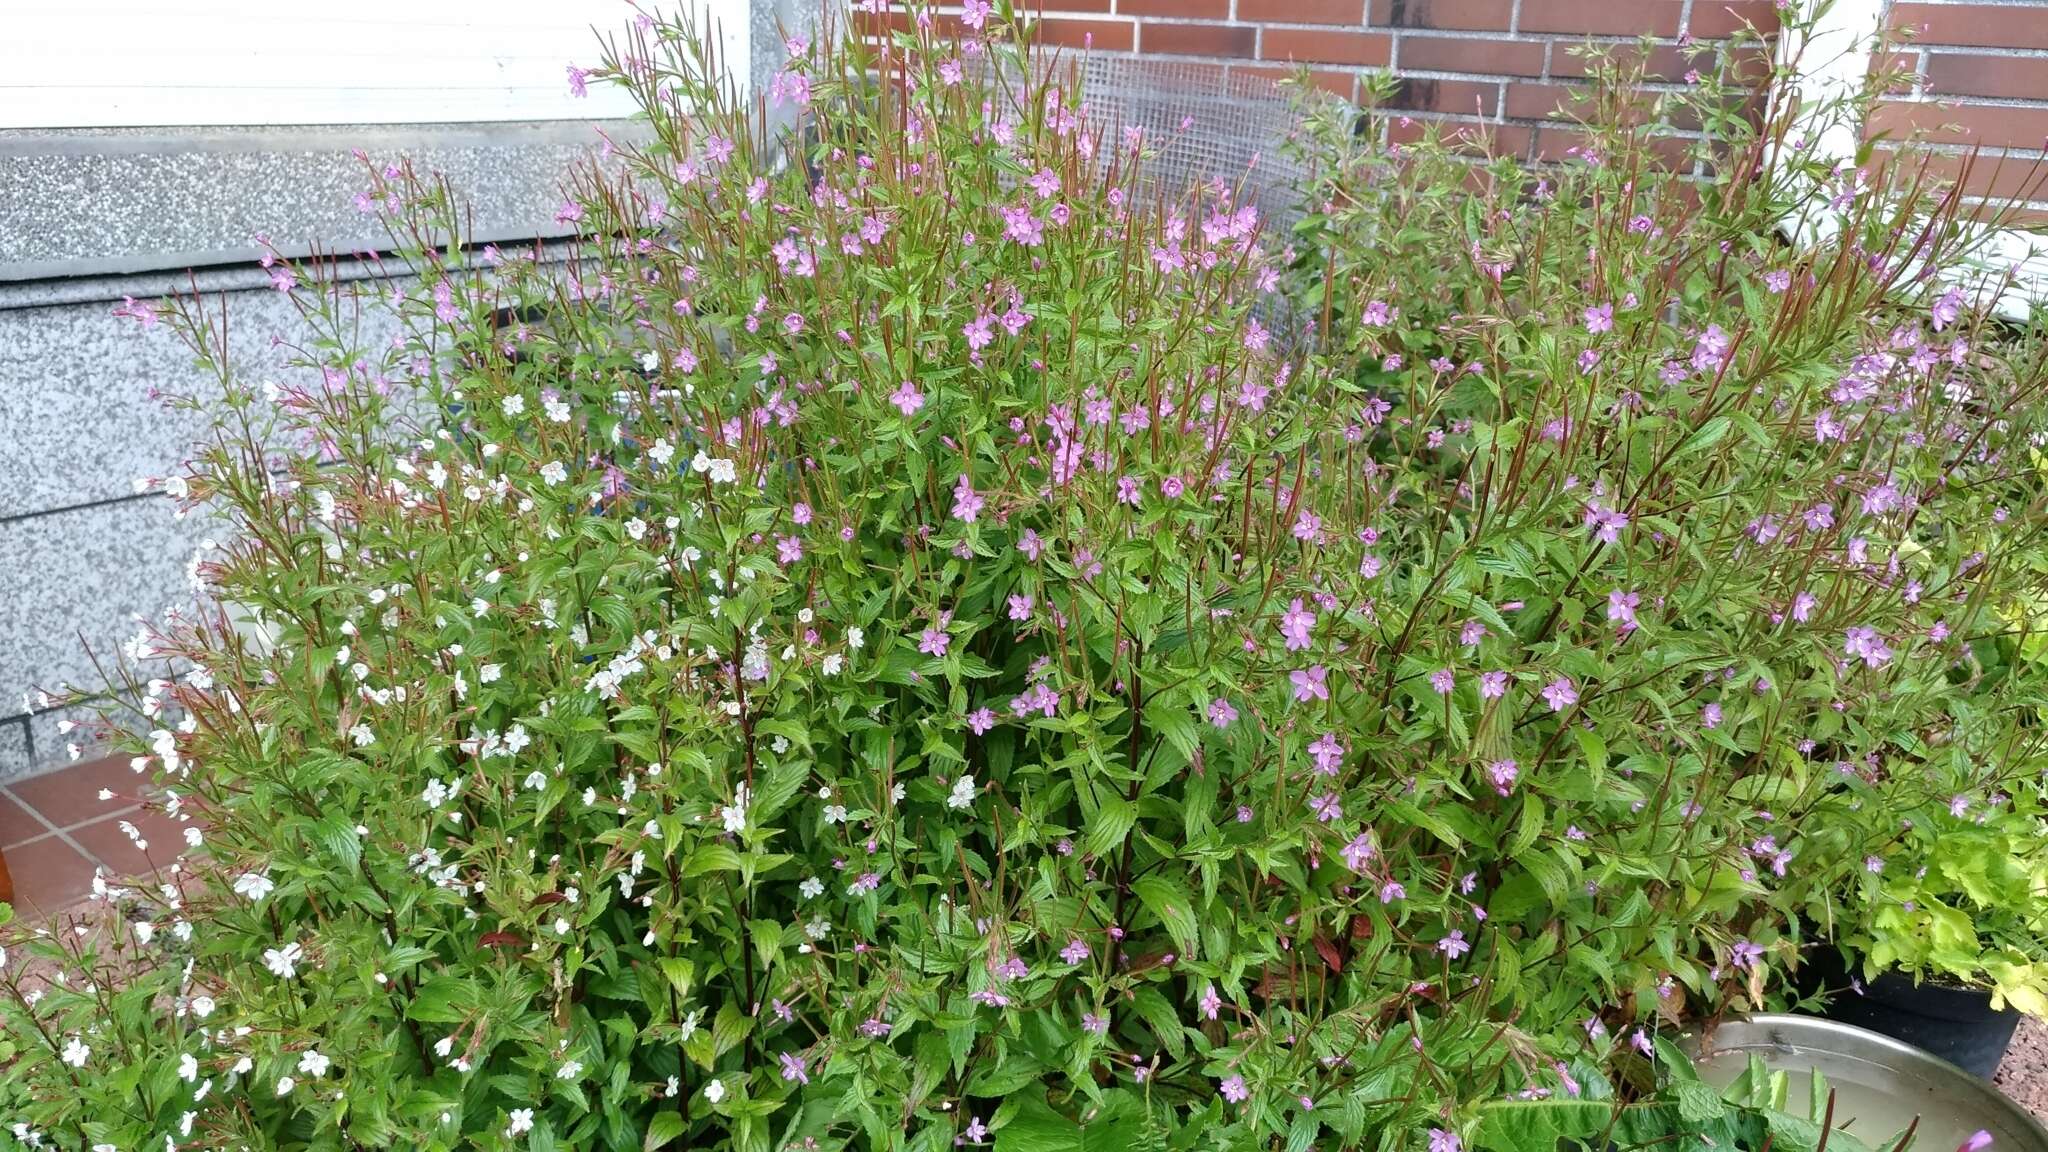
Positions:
(1957, 1024)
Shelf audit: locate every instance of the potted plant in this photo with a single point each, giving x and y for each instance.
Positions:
(1939, 934)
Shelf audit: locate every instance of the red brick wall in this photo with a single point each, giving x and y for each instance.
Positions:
(1503, 63)
(1981, 82)
(1983, 64)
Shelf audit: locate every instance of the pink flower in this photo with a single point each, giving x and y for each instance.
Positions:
(1503, 773)
(1493, 685)
(1359, 852)
(1234, 1090)
(794, 1069)
(907, 399)
(1710, 716)
(1560, 694)
(1599, 318)
(1075, 952)
(1221, 714)
(934, 642)
(1866, 642)
(1605, 523)
(1392, 891)
(1295, 624)
(981, 720)
(1310, 684)
(1327, 808)
(1444, 1141)
(1621, 609)
(1209, 1003)
(1020, 607)
(1328, 754)
(1443, 680)
(577, 86)
(1454, 944)
(966, 502)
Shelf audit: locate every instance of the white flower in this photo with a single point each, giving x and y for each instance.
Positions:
(714, 1091)
(513, 405)
(362, 736)
(437, 794)
(75, 1052)
(556, 408)
(650, 361)
(202, 1006)
(963, 793)
(569, 1070)
(516, 739)
(536, 780)
(736, 812)
(835, 813)
(856, 639)
(188, 1068)
(662, 452)
(834, 663)
(254, 886)
(521, 1122)
(314, 1063)
(553, 472)
(284, 962)
(443, 1046)
(285, 1084)
(489, 673)
(636, 528)
(811, 888)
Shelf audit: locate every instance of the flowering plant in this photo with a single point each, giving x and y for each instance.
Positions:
(1808, 480)
(883, 646)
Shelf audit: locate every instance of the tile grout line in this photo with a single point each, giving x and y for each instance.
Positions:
(61, 833)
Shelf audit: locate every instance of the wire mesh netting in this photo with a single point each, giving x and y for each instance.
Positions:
(1199, 123)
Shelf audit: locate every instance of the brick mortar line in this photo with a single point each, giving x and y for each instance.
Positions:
(2016, 103)
(2003, 53)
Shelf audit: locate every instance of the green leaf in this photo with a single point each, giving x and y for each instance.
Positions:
(665, 1127)
(1109, 825)
(1035, 1127)
(1169, 900)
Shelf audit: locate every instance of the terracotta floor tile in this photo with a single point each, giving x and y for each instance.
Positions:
(49, 876)
(72, 795)
(17, 824)
(111, 846)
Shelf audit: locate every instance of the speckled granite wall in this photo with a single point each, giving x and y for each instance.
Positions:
(90, 216)
(81, 554)
(85, 554)
(89, 202)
